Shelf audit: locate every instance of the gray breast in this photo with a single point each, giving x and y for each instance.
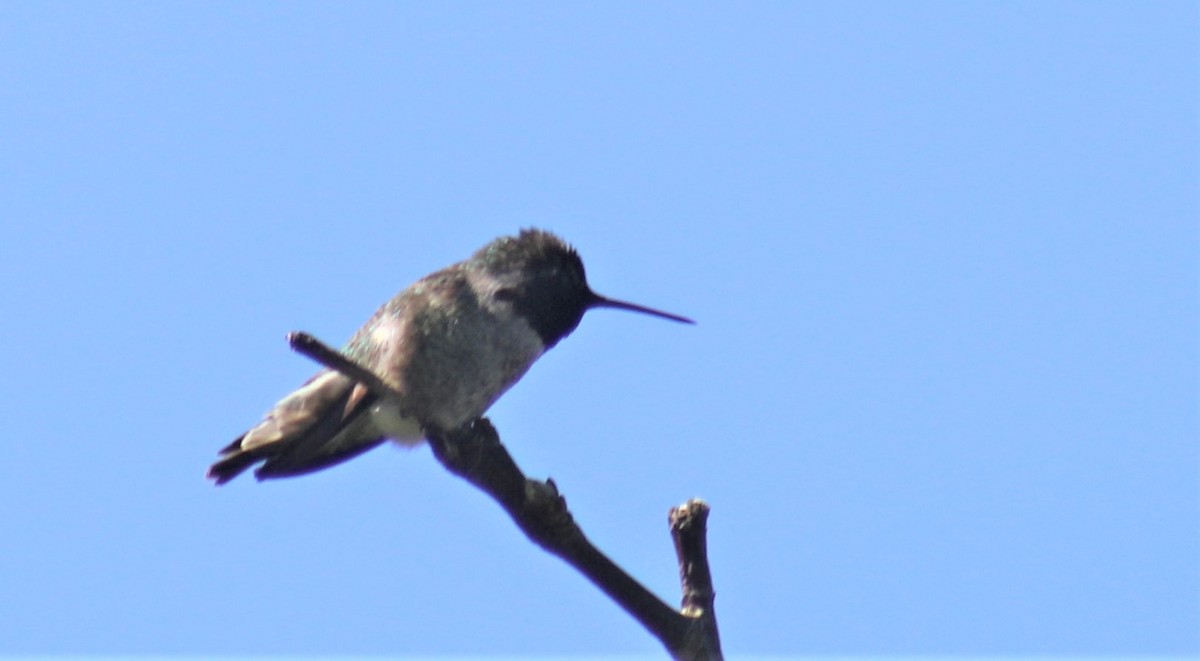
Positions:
(470, 354)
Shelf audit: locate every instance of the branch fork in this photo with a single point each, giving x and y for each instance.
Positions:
(474, 452)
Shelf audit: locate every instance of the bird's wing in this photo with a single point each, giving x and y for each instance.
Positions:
(316, 426)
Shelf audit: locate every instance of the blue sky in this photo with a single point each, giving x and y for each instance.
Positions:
(942, 396)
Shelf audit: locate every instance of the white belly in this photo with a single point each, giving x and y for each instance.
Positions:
(388, 421)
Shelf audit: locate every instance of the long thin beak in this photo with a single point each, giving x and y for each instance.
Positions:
(599, 301)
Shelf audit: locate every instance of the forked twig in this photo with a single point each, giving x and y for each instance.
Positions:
(474, 452)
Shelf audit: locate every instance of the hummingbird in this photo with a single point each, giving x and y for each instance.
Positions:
(451, 344)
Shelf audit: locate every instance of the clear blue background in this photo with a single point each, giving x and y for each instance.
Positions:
(942, 395)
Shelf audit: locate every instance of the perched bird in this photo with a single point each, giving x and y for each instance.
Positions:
(451, 343)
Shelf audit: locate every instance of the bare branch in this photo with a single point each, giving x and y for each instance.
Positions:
(689, 524)
(474, 453)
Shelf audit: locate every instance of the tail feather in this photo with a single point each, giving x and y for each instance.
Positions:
(232, 463)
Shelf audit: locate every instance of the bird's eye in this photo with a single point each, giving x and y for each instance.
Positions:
(506, 294)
